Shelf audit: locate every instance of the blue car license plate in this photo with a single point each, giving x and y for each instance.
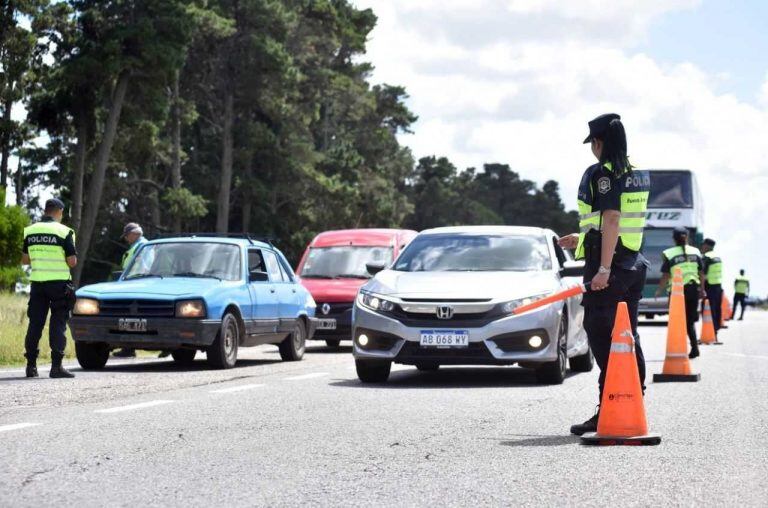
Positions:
(444, 338)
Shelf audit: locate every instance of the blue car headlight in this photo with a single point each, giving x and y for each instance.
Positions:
(190, 309)
(374, 302)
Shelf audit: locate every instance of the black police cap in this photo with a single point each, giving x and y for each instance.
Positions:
(680, 231)
(599, 126)
(54, 204)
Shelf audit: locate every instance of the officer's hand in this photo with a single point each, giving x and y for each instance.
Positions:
(702, 294)
(599, 281)
(569, 241)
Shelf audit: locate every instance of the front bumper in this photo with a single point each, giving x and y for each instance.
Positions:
(162, 333)
(500, 342)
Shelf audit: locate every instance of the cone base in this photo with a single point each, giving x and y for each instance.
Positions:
(676, 378)
(594, 439)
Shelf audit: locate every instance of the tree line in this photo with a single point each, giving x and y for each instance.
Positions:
(226, 116)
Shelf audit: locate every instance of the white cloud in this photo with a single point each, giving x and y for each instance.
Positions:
(515, 81)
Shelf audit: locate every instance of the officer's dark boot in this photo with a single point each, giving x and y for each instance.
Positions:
(58, 370)
(31, 364)
(588, 426)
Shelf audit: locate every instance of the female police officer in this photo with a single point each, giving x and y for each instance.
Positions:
(612, 202)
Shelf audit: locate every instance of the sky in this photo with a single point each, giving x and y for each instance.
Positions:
(515, 81)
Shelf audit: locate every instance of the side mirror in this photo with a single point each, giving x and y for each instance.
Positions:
(258, 276)
(572, 269)
(375, 267)
(115, 275)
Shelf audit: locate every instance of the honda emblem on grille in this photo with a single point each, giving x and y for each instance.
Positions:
(444, 312)
(325, 308)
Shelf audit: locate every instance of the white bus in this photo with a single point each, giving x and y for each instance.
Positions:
(675, 200)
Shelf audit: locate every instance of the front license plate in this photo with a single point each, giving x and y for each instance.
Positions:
(326, 324)
(132, 325)
(444, 338)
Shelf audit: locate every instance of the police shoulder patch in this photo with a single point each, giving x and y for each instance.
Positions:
(603, 185)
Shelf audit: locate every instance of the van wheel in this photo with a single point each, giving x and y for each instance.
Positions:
(222, 354)
(91, 356)
(373, 371)
(292, 348)
(185, 357)
(553, 373)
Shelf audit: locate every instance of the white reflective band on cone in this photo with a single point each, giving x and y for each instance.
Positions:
(677, 355)
(620, 347)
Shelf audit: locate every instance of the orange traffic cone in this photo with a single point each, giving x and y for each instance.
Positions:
(707, 326)
(725, 311)
(676, 364)
(622, 413)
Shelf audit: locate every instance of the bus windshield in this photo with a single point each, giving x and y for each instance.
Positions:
(671, 189)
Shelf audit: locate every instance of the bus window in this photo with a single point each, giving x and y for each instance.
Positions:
(670, 189)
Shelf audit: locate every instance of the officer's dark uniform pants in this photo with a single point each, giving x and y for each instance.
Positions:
(715, 297)
(600, 314)
(45, 296)
(739, 298)
(691, 292)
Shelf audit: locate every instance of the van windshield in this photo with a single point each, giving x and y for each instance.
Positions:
(340, 262)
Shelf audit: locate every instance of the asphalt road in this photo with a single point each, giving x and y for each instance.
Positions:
(146, 433)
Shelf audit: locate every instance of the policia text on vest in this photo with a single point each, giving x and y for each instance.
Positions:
(49, 248)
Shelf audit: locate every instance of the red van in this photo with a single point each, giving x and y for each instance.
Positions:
(334, 267)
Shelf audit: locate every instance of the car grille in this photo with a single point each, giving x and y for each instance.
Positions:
(142, 308)
(336, 310)
(423, 320)
(475, 351)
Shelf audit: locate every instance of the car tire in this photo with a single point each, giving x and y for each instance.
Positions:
(332, 342)
(428, 366)
(91, 356)
(185, 357)
(553, 373)
(222, 354)
(582, 363)
(373, 371)
(292, 348)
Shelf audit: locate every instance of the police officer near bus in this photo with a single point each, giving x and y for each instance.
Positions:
(612, 200)
(741, 291)
(689, 260)
(49, 248)
(133, 235)
(713, 270)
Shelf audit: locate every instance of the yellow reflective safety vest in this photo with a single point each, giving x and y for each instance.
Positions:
(45, 246)
(714, 268)
(741, 285)
(128, 255)
(688, 259)
(634, 186)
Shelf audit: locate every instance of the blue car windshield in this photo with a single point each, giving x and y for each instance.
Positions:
(475, 253)
(186, 259)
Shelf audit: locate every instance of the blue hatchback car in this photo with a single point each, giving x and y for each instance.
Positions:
(185, 294)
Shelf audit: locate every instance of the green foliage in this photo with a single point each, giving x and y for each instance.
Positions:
(13, 220)
(183, 203)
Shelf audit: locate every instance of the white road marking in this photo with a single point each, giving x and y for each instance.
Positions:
(306, 376)
(16, 426)
(237, 388)
(747, 356)
(131, 407)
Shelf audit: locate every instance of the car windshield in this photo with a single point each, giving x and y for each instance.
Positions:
(475, 253)
(655, 241)
(186, 259)
(343, 261)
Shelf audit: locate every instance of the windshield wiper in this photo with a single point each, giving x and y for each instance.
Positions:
(316, 276)
(142, 276)
(351, 276)
(197, 275)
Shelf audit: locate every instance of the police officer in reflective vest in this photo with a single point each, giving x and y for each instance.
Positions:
(741, 290)
(689, 260)
(134, 237)
(713, 270)
(612, 202)
(49, 248)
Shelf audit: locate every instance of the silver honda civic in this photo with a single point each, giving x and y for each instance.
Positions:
(449, 300)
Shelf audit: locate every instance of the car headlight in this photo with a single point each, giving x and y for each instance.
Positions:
(374, 302)
(190, 309)
(86, 307)
(510, 306)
